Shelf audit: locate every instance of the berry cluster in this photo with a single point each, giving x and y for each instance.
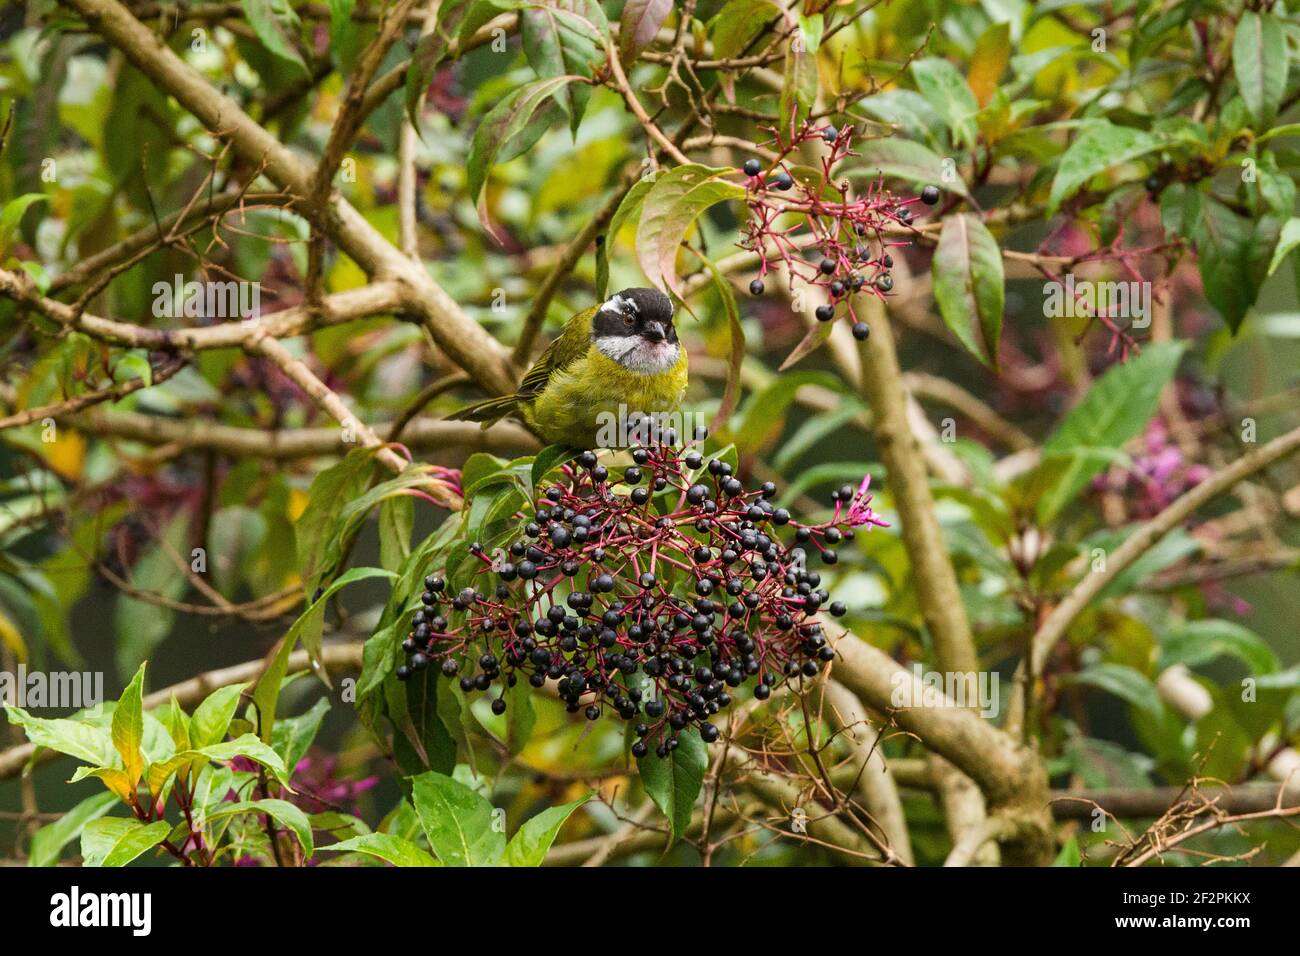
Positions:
(850, 252)
(654, 593)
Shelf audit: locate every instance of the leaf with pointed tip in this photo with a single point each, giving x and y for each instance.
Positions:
(1100, 147)
(513, 126)
(674, 782)
(1115, 410)
(676, 200)
(565, 37)
(282, 812)
(735, 26)
(50, 839)
(212, 717)
(1259, 62)
(640, 22)
(813, 339)
(276, 24)
(75, 738)
(529, 844)
(945, 89)
(458, 822)
(904, 159)
(384, 846)
(969, 285)
(113, 841)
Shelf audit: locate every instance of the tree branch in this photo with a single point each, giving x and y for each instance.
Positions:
(466, 342)
(1140, 541)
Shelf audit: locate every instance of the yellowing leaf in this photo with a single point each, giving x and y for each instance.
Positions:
(118, 783)
(66, 455)
(12, 639)
(128, 727)
(297, 504)
(988, 61)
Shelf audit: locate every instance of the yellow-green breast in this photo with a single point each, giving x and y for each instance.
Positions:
(571, 407)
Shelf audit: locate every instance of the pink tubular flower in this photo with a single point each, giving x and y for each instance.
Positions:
(860, 512)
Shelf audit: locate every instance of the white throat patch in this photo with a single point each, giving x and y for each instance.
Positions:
(637, 355)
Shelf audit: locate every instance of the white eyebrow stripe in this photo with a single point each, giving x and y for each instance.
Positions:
(617, 303)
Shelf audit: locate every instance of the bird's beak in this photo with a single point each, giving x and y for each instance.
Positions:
(654, 332)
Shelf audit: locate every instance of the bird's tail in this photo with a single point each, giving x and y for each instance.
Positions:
(488, 411)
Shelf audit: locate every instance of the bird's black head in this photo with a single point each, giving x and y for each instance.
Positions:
(647, 313)
(635, 328)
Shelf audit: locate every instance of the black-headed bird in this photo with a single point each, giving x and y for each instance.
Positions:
(616, 359)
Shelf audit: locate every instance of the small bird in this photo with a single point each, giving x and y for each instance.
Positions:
(619, 358)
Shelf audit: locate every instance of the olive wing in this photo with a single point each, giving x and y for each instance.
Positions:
(568, 347)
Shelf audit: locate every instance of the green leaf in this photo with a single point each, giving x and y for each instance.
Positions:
(417, 715)
(511, 127)
(640, 22)
(529, 844)
(671, 207)
(1100, 147)
(1259, 62)
(1199, 642)
(344, 36)
(50, 839)
(674, 782)
(1069, 855)
(735, 26)
(969, 285)
(211, 719)
(458, 822)
(294, 735)
(76, 738)
(799, 86)
(762, 417)
(128, 727)
(478, 468)
(342, 481)
(247, 746)
(396, 521)
(904, 159)
(309, 628)
(945, 89)
(112, 841)
(1114, 411)
(1287, 242)
(1176, 546)
(548, 459)
(276, 25)
(1225, 248)
(736, 353)
(13, 213)
(281, 811)
(630, 208)
(390, 849)
(1124, 682)
(811, 28)
(565, 37)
